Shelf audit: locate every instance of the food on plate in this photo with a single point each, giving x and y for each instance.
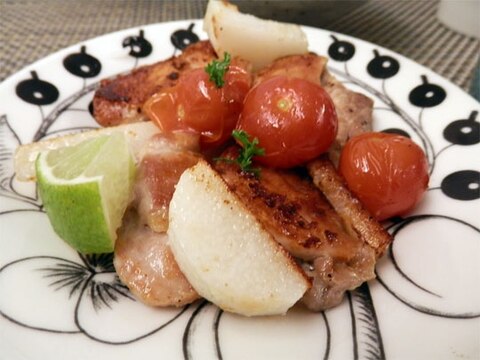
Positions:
(253, 39)
(207, 101)
(163, 159)
(225, 252)
(136, 135)
(143, 259)
(355, 217)
(144, 262)
(250, 149)
(236, 196)
(120, 100)
(300, 218)
(387, 172)
(354, 110)
(85, 193)
(294, 120)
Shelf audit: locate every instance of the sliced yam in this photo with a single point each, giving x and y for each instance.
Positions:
(225, 253)
(257, 40)
(136, 134)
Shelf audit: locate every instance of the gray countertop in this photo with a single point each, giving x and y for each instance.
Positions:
(31, 30)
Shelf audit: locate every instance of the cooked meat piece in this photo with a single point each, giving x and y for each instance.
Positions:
(331, 278)
(164, 159)
(120, 100)
(292, 210)
(354, 110)
(143, 259)
(308, 67)
(356, 219)
(301, 219)
(144, 262)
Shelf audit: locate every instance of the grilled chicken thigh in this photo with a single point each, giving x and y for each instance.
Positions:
(120, 100)
(143, 259)
(299, 217)
(320, 223)
(144, 262)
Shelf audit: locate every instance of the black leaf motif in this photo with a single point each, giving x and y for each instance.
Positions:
(67, 275)
(463, 132)
(9, 141)
(427, 95)
(368, 342)
(462, 185)
(139, 46)
(397, 132)
(76, 277)
(382, 66)
(90, 108)
(341, 50)
(37, 92)
(82, 64)
(182, 38)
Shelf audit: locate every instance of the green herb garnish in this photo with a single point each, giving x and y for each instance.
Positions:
(248, 151)
(217, 70)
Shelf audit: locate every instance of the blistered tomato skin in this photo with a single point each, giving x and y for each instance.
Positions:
(196, 104)
(294, 120)
(387, 172)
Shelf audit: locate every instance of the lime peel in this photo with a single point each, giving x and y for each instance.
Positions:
(85, 190)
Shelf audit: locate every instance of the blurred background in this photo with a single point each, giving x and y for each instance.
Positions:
(32, 29)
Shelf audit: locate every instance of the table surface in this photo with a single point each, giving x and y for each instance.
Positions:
(32, 29)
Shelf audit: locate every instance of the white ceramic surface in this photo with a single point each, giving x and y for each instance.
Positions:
(424, 304)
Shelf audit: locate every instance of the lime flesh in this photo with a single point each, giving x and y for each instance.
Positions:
(85, 190)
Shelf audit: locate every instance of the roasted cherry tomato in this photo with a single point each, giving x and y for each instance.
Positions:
(387, 172)
(198, 105)
(293, 119)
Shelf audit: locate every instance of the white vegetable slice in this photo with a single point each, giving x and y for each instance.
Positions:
(136, 134)
(257, 40)
(225, 253)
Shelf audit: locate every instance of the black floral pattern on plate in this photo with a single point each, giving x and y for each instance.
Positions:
(91, 280)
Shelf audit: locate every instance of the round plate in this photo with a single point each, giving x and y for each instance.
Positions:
(424, 303)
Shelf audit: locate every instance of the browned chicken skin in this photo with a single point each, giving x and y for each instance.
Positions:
(120, 100)
(144, 262)
(143, 259)
(292, 209)
(357, 219)
(164, 160)
(321, 224)
(300, 218)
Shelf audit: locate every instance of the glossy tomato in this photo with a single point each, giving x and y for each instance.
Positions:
(197, 104)
(387, 172)
(293, 119)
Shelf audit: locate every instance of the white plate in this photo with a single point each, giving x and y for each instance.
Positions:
(424, 304)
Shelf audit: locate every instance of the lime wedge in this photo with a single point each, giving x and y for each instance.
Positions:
(85, 190)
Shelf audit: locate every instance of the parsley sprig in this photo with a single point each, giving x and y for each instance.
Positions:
(249, 149)
(217, 70)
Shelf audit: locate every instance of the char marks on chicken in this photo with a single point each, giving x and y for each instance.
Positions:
(301, 219)
(358, 221)
(120, 100)
(335, 241)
